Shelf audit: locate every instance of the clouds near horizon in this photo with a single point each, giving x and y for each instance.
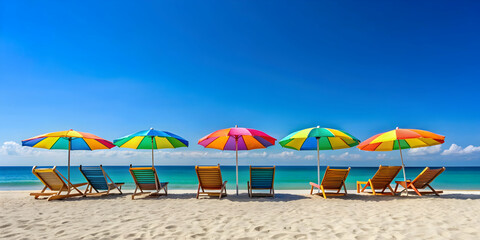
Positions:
(12, 153)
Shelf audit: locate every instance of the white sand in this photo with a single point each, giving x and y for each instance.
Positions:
(291, 215)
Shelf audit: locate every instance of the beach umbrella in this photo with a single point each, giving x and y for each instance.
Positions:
(68, 140)
(151, 139)
(318, 138)
(399, 139)
(237, 139)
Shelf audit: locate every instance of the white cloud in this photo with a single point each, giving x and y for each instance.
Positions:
(345, 156)
(381, 156)
(284, 155)
(455, 149)
(11, 148)
(424, 150)
(14, 149)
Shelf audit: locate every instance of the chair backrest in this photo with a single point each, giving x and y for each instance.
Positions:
(95, 176)
(262, 177)
(334, 178)
(50, 177)
(426, 177)
(145, 177)
(209, 177)
(384, 176)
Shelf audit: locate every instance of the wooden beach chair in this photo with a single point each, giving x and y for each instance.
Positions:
(146, 178)
(210, 179)
(380, 181)
(99, 181)
(334, 179)
(422, 181)
(56, 183)
(261, 178)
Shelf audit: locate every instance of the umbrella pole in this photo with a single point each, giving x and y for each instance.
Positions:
(403, 167)
(318, 162)
(69, 148)
(236, 156)
(153, 166)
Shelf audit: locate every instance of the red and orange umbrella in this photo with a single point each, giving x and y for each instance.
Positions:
(237, 139)
(399, 139)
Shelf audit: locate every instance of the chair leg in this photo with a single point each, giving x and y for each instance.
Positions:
(371, 186)
(391, 190)
(43, 190)
(323, 192)
(415, 189)
(198, 191)
(135, 192)
(433, 190)
(366, 185)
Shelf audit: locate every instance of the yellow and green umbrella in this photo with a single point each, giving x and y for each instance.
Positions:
(318, 138)
(399, 139)
(68, 140)
(151, 139)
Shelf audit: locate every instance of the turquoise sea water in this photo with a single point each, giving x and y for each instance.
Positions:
(286, 177)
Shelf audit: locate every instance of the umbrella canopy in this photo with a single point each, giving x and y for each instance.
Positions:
(68, 140)
(318, 138)
(399, 139)
(151, 139)
(237, 139)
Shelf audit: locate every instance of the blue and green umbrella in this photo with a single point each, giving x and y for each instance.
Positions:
(318, 138)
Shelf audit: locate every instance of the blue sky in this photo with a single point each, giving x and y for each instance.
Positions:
(194, 67)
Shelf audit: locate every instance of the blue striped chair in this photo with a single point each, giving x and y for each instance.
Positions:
(261, 178)
(146, 178)
(99, 181)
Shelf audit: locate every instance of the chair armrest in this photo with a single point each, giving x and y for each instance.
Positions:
(314, 185)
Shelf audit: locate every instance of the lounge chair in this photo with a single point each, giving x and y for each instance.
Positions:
(422, 181)
(99, 181)
(334, 179)
(261, 178)
(380, 181)
(146, 178)
(210, 178)
(56, 183)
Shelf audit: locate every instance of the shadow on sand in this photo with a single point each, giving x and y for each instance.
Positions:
(285, 197)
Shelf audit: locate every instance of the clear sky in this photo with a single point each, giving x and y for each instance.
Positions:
(112, 68)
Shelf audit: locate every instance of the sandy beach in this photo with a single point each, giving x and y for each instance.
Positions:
(290, 215)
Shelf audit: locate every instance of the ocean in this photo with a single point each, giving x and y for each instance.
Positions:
(286, 177)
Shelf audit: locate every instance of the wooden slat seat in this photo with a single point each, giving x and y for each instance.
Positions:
(210, 179)
(380, 181)
(56, 183)
(422, 181)
(334, 179)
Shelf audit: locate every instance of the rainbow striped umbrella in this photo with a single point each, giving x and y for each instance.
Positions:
(318, 138)
(237, 139)
(68, 140)
(151, 139)
(399, 139)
